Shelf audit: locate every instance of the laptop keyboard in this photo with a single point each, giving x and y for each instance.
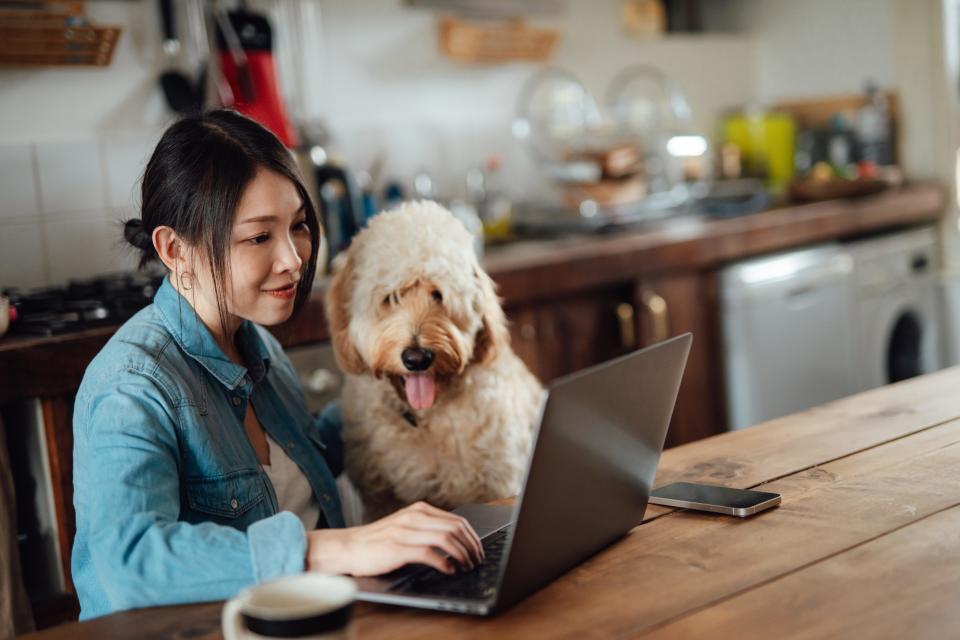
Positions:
(480, 583)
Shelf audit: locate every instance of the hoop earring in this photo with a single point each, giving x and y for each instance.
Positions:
(186, 281)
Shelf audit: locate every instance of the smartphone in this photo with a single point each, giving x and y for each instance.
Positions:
(708, 497)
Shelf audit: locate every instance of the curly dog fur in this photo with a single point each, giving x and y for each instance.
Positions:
(410, 291)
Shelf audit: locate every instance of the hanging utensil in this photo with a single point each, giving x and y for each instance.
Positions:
(239, 58)
(245, 40)
(197, 26)
(177, 88)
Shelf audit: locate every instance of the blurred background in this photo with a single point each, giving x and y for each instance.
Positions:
(777, 177)
(371, 82)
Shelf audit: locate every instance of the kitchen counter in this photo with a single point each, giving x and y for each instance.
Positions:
(864, 544)
(531, 270)
(528, 270)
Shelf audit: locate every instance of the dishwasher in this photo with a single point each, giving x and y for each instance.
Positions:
(787, 333)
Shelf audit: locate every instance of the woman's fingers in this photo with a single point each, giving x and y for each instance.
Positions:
(423, 515)
(419, 533)
(444, 540)
(425, 555)
(469, 534)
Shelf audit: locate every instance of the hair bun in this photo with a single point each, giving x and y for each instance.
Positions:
(136, 235)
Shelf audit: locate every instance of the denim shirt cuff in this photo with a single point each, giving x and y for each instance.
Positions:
(278, 546)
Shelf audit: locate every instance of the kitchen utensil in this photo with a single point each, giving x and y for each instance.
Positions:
(642, 98)
(245, 40)
(341, 204)
(197, 26)
(729, 198)
(628, 158)
(178, 89)
(605, 193)
(244, 82)
(559, 121)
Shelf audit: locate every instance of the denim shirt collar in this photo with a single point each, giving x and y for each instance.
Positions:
(195, 339)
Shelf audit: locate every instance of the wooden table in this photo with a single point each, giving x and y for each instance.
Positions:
(865, 545)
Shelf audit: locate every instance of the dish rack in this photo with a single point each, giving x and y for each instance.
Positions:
(500, 41)
(52, 33)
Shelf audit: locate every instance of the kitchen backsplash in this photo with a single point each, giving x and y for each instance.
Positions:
(61, 206)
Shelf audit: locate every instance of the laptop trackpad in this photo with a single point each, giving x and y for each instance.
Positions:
(486, 518)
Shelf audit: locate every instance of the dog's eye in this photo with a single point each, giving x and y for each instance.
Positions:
(437, 296)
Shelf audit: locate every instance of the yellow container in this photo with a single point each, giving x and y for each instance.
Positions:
(766, 143)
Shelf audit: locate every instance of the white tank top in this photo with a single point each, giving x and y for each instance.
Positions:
(293, 490)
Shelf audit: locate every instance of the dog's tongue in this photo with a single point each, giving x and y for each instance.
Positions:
(420, 389)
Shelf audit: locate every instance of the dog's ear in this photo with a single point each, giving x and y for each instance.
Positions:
(493, 334)
(337, 306)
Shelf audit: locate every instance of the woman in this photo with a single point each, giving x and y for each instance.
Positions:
(197, 468)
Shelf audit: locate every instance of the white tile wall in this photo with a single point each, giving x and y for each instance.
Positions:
(17, 182)
(126, 158)
(71, 176)
(22, 254)
(80, 246)
(61, 206)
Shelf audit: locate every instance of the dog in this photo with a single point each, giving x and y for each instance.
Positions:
(436, 406)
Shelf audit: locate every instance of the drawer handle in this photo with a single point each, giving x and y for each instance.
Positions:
(656, 307)
(528, 332)
(628, 332)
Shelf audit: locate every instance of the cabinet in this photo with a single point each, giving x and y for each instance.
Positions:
(677, 303)
(558, 336)
(563, 335)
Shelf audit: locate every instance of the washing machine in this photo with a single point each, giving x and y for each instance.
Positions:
(896, 317)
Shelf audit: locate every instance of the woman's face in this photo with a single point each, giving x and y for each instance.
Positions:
(269, 246)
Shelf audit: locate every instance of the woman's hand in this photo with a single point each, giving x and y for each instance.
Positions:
(419, 534)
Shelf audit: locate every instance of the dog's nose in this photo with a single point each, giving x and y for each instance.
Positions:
(416, 359)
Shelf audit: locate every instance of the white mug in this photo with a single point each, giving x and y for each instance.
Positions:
(312, 606)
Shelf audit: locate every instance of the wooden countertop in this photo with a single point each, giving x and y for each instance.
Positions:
(528, 271)
(525, 271)
(864, 545)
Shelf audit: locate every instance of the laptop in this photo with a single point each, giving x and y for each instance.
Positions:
(589, 473)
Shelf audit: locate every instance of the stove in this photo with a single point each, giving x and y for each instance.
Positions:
(81, 304)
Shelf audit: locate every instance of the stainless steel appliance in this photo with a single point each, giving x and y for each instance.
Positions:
(81, 304)
(787, 331)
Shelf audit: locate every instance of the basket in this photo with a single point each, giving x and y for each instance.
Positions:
(495, 41)
(52, 33)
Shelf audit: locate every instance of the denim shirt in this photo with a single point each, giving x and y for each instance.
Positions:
(172, 504)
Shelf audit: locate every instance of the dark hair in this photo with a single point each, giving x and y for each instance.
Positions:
(195, 180)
